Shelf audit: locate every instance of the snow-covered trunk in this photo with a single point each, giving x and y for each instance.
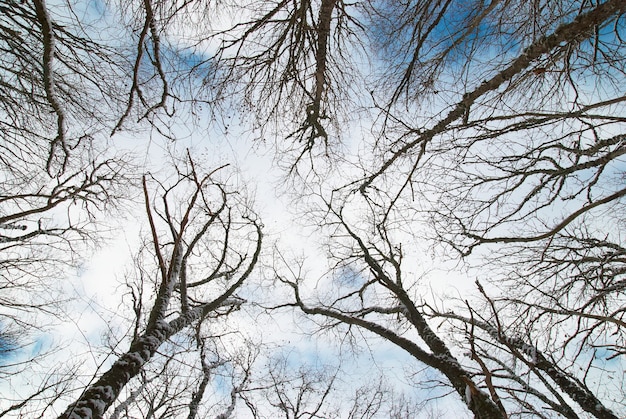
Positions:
(100, 396)
(478, 401)
(48, 40)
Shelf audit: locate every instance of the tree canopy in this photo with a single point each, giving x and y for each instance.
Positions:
(301, 183)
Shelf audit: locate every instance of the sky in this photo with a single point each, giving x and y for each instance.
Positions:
(99, 316)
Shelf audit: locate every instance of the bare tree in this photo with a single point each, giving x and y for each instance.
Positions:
(512, 146)
(378, 299)
(500, 123)
(524, 356)
(295, 385)
(378, 399)
(57, 92)
(58, 88)
(181, 380)
(295, 63)
(201, 254)
(545, 62)
(304, 393)
(511, 362)
(59, 85)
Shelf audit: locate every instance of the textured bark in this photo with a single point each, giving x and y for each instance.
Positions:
(49, 84)
(580, 394)
(94, 402)
(98, 397)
